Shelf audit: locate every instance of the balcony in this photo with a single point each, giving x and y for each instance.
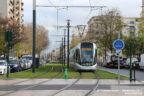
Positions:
(22, 3)
(18, 19)
(17, 14)
(12, 10)
(11, 2)
(17, 8)
(22, 9)
(17, 2)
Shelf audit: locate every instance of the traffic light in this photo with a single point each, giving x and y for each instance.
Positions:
(8, 36)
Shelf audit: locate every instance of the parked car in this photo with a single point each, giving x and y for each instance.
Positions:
(141, 63)
(29, 63)
(12, 58)
(21, 64)
(133, 60)
(14, 65)
(24, 64)
(3, 67)
(2, 57)
(29, 60)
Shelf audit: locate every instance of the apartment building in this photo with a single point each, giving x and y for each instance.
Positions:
(129, 25)
(12, 9)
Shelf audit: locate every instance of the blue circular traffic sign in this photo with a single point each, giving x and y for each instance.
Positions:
(118, 44)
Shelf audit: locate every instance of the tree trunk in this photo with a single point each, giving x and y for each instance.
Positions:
(105, 56)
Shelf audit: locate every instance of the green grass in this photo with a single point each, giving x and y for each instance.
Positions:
(42, 72)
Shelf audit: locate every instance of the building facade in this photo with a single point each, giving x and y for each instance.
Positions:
(129, 24)
(12, 9)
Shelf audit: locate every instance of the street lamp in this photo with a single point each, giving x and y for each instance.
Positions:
(34, 35)
(134, 64)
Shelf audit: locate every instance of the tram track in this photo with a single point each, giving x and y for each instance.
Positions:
(51, 69)
(68, 86)
(89, 93)
(95, 87)
(35, 85)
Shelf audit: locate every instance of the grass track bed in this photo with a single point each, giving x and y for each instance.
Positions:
(42, 72)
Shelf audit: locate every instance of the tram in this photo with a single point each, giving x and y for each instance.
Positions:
(83, 57)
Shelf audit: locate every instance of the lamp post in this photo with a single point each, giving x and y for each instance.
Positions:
(34, 36)
(134, 64)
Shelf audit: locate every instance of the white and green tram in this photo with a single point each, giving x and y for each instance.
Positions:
(84, 57)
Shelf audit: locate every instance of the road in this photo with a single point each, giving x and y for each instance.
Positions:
(125, 72)
(32, 87)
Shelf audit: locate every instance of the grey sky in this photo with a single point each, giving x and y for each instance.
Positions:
(47, 16)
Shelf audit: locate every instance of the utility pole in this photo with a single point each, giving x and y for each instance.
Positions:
(62, 52)
(60, 55)
(64, 45)
(130, 61)
(34, 35)
(68, 27)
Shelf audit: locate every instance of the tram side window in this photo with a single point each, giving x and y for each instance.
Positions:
(77, 56)
(95, 58)
(74, 56)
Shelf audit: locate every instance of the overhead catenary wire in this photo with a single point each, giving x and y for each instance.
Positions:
(91, 10)
(51, 3)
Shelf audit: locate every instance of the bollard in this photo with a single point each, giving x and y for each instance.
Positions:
(66, 74)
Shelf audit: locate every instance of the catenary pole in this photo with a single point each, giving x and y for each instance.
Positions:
(34, 36)
(64, 45)
(68, 27)
(62, 52)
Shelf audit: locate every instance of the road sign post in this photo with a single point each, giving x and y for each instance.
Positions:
(118, 45)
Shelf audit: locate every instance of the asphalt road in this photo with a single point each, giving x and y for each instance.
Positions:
(125, 72)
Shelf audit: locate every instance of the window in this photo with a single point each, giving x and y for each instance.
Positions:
(78, 56)
(95, 58)
(131, 22)
(132, 28)
(87, 53)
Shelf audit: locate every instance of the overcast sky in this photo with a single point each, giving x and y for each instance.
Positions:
(48, 16)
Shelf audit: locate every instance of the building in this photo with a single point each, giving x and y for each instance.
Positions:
(12, 9)
(95, 26)
(129, 24)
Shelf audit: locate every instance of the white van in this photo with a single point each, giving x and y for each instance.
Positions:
(141, 64)
(28, 59)
(3, 67)
(127, 64)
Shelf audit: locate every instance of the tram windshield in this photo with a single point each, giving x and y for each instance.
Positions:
(87, 53)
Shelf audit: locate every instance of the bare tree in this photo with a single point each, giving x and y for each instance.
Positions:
(42, 41)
